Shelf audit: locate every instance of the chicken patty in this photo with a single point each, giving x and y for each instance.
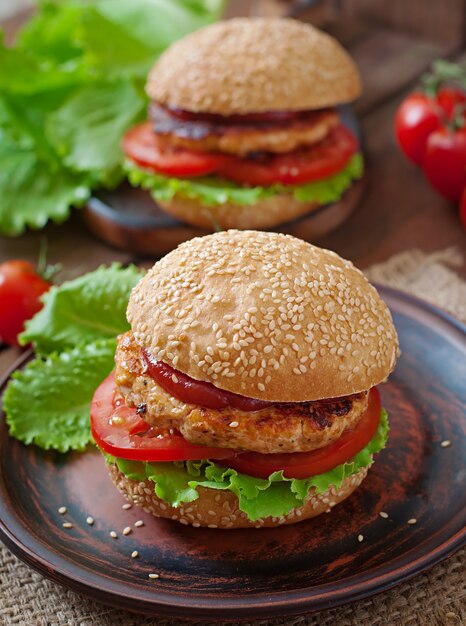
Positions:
(282, 427)
(242, 139)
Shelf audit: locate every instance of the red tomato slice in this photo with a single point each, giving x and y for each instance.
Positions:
(314, 163)
(301, 166)
(141, 146)
(305, 464)
(120, 431)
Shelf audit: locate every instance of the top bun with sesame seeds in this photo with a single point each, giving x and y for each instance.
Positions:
(265, 315)
(254, 65)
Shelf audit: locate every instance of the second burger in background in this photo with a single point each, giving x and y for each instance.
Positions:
(243, 130)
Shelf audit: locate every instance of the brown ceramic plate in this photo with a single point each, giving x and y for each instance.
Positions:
(129, 219)
(254, 573)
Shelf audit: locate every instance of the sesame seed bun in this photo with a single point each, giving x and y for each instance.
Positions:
(265, 315)
(266, 213)
(219, 509)
(255, 65)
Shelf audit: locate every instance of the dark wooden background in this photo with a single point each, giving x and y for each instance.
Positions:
(392, 43)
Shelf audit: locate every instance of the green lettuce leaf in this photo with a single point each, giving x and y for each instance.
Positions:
(51, 34)
(69, 88)
(47, 403)
(275, 496)
(87, 129)
(124, 38)
(212, 191)
(34, 191)
(83, 310)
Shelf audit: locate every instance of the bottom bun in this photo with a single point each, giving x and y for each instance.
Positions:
(266, 213)
(219, 509)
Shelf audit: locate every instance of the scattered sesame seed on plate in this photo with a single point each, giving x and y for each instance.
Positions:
(139, 523)
(360, 538)
(67, 525)
(412, 521)
(153, 576)
(134, 554)
(446, 443)
(62, 510)
(383, 514)
(90, 520)
(127, 530)
(127, 506)
(113, 534)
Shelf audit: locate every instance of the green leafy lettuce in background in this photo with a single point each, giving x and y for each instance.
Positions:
(70, 87)
(258, 498)
(212, 191)
(47, 402)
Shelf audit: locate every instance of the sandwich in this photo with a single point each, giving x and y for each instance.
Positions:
(244, 394)
(244, 131)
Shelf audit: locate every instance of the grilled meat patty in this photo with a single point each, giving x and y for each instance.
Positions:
(282, 427)
(242, 139)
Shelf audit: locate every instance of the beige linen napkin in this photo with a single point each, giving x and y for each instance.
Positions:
(437, 597)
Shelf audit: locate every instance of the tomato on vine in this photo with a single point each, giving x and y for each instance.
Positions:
(430, 127)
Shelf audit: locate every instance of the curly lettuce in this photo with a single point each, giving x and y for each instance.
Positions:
(74, 335)
(212, 191)
(272, 497)
(69, 88)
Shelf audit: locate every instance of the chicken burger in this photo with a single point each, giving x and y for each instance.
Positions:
(244, 394)
(243, 129)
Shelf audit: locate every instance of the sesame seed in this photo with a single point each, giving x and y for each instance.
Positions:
(293, 288)
(90, 520)
(383, 514)
(62, 510)
(127, 530)
(154, 576)
(134, 554)
(360, 538)
(412, 521)
(127, 506)
(67, 525)
(233, 424)
(113, 534)
(446, 443)
(139, 523)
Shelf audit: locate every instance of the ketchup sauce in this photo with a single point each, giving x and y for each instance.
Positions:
(192, 391)
(269, 117)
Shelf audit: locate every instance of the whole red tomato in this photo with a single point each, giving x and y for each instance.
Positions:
(20, 291)
(463, 208)
(419, 115)
(445, 161)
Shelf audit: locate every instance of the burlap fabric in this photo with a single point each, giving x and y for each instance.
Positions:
(437, 597)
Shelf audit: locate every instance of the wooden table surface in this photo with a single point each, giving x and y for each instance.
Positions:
(399, 211)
